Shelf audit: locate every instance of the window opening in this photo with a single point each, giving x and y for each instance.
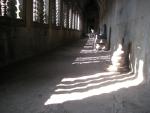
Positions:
(41, 11)
(70, 17)
(65, 15)
(58, 12)
(11, 8)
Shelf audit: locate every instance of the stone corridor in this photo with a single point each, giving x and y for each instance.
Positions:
(72, 79)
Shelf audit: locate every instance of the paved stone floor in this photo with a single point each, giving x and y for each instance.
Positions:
(72, 79)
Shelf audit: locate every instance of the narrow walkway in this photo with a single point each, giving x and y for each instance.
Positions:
(71, 80)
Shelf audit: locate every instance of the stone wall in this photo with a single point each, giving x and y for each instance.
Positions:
(23, 41)
(23, 38)
(130, 20)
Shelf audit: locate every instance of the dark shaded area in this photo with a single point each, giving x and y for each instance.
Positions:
(90, 15)
(109, 39)
(32, 81)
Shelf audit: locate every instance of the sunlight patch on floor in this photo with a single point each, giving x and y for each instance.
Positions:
(113, 85)
(88, 60)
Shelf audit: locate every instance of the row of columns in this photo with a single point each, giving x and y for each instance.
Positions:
(63, 12)
(67, 15)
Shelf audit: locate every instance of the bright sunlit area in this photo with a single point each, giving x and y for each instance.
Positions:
(72, 89)
(19, 6)
(88, 55)
(85, 86)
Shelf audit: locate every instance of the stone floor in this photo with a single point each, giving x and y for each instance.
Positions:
(72, 79)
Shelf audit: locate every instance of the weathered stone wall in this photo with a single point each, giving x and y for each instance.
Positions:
(130, 19)
(20, 42)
